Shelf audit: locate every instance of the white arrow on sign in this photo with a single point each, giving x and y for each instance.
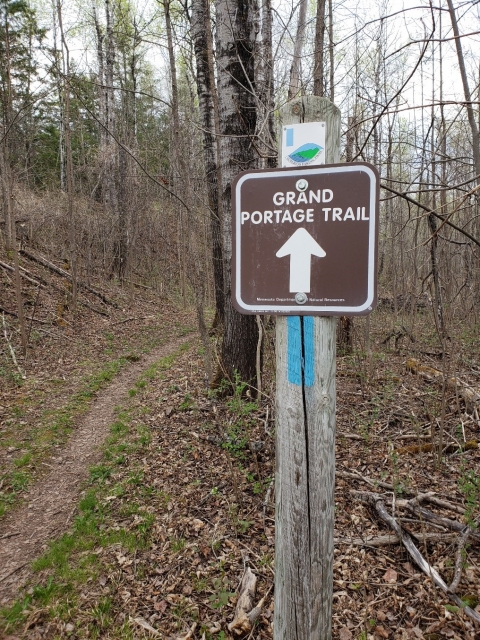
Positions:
(300, 247)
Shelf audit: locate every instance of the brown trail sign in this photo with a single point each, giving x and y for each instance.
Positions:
(304, 240)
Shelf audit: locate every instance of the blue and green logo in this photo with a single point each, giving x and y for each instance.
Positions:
(306, 153)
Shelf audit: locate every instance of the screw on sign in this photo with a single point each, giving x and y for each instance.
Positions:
(305, 240)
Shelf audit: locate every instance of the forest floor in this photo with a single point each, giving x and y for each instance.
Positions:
(179, 500)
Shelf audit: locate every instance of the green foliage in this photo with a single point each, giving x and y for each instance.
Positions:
(221, 596)
(243, 526)
(187, 403)
(14, 615)
(237, 403)
(11, 375)
(452, 608)
(236, 440)
(177, 544)
(100, 473)
(469, 485)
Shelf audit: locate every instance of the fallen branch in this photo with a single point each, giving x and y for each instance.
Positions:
(470, 395)
(370, 481)
(12, 352)
(14, 315)
(245, 613)
(392, 539)
(427, 447)
(90, 306)
(114, 324)
(460, 560)
(429, 516)
(376, 501)
(431, 497)
(23, 274)
(144, 624)
(61, 272)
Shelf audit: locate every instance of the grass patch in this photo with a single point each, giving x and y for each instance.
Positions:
(57, 425)
(75, 558)
(54, 429)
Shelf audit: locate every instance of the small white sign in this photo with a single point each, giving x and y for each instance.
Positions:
(303, 145)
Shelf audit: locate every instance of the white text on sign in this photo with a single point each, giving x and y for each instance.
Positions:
(321, 196)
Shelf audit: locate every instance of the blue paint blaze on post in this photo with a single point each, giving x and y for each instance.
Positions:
(300, 368)
(294, 350)
(289, 140)
(309, 351)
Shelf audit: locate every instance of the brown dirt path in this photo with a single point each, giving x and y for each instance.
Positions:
(51, 503)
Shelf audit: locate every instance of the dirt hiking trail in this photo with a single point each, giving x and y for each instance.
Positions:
(50, 504)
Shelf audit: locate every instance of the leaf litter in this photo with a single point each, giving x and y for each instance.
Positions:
(195, 497)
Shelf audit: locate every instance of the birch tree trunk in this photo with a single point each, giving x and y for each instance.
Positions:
(295, 87)
(208, 108)
(192, 258)
(69, 166)
(7, 187)
(265, 89)
(237, 115)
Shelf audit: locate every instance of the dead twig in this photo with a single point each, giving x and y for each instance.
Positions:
(370, 481)
(376, 501)
(114, 324)
(190, 632)
(459, 560)
(266, 501)
(392, 539)
(144, 624)
(20, 566)
(11, 349)
(12, 534)
(245, 613)
(14, 315)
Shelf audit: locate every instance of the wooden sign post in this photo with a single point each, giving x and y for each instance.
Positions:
(304, 240)
(305, 433)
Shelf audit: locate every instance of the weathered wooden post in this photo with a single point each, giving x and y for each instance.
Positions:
(305, 433)
(304, 242)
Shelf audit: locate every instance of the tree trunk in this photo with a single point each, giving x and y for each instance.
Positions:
(69, 166)
(331, 50)
(319, 46)
(237, 113)
(201, 31)
(466, 90)
(295, 87)
(7, 189)
(191, 232)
